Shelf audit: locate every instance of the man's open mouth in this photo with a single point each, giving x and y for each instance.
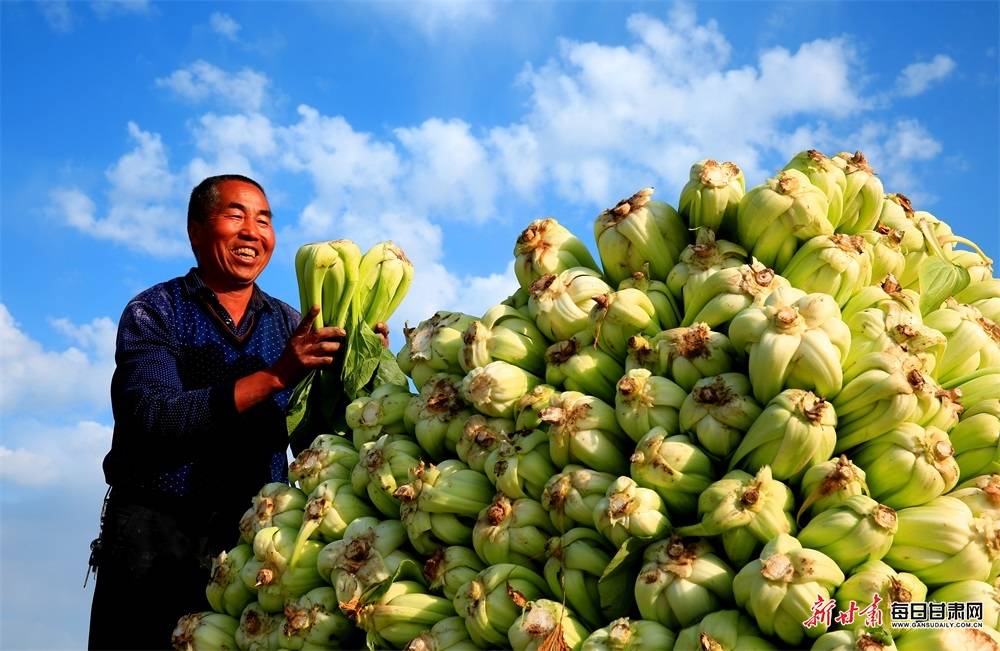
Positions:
(245, 253)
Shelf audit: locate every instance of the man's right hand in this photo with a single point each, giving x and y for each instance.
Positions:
(308, 349)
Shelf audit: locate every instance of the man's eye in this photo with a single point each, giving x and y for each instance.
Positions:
(264, 222)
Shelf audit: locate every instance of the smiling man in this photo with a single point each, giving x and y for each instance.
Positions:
(205, 365)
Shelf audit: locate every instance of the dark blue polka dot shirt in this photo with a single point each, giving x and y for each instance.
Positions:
(177, 433)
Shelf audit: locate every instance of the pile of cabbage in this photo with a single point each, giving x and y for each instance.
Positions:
(754, 410)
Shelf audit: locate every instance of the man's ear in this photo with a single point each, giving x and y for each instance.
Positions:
(194, 234)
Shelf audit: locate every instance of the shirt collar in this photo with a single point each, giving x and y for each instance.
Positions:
(195, 286)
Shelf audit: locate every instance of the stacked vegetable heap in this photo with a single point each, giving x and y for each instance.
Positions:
(757, 403)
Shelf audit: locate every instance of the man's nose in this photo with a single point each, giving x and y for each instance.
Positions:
(250, 229)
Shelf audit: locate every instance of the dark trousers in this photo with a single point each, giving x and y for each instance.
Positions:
(152, 570)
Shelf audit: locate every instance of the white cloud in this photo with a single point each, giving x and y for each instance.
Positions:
(518, 157)
(76, 208)
(365, 191)
(668, 97)
(67, 455)
(910, 141)
(201, 81)
(682, 45)
(61, 18)
(434, 17)
(98, 336)
(818, 136)
(436, 288)
(107, 8)
(449, 170)
(896, 151)
(671, 97)
(816, 79)
(350, 170)
(224, 24)
(58, 14)
(145, 202)
(25, 467)
(918, 77)
(231, 143)
(76, 378)
(478, 293)
(601, 121)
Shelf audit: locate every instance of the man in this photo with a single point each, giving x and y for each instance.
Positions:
(205, 367)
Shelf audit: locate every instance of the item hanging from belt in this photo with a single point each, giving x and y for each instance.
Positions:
(97, 544)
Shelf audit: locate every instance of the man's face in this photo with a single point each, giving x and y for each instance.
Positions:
(234, 243)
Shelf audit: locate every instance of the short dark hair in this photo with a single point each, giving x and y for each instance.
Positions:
(205, 195)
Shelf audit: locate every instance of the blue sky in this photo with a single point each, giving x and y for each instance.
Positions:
(444, 126)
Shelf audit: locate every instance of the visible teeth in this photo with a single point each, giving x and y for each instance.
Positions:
(245, 251)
